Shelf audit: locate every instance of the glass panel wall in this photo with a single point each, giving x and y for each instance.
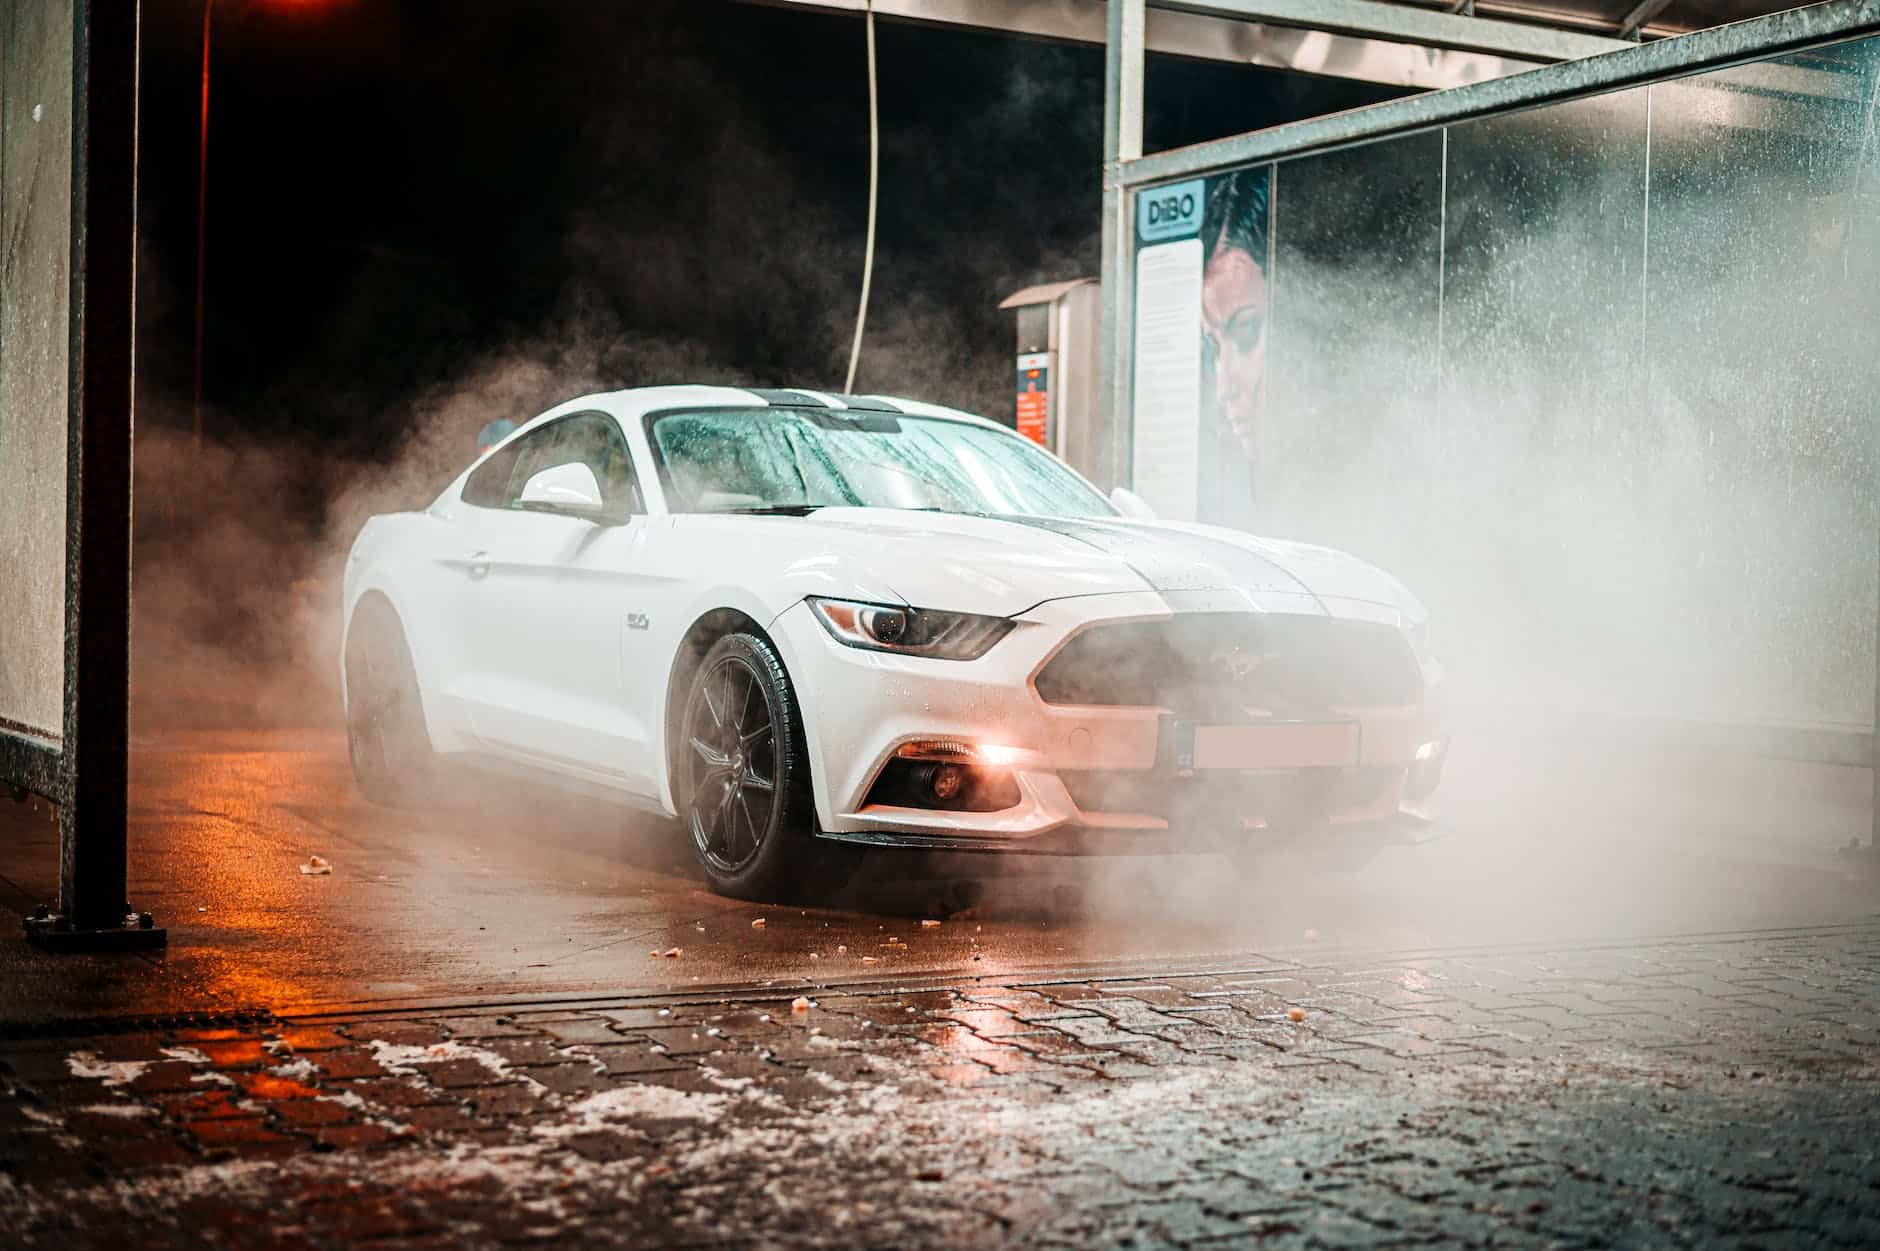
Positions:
(35, 272)
(1598, 380)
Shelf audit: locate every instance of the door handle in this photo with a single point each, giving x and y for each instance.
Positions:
(478, 565)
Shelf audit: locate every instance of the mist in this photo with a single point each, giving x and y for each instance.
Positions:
(1634, 489)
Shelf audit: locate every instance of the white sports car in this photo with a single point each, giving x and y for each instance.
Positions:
(795, 620)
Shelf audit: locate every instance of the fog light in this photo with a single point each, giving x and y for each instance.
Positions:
(947, 782)
(949, 749)
(1426, 771)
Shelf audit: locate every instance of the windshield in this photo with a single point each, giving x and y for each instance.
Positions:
(785, 459)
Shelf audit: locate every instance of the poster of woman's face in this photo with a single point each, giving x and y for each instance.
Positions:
(1234, 301)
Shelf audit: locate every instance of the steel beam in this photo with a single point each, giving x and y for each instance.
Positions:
(1122, 142)
(1428, 28)
(1633, 65)
(1169, 32)
(93, 782)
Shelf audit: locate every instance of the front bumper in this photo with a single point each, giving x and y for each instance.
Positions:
(1089, 778)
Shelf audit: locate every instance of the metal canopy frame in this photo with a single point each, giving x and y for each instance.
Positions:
(86, 772)
(1126, 170)
(1367, 40)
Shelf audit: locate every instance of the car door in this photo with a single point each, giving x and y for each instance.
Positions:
(551, 591)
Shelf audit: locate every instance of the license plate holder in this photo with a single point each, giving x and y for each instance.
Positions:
(1253, 746)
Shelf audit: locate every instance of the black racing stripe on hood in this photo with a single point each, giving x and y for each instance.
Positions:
(1177, 562)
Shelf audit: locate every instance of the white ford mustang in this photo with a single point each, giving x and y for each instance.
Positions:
(795, 620)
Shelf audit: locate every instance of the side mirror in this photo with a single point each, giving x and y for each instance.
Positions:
(1131, 504)
(570, 488)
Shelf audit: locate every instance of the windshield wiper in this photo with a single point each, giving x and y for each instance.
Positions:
(776, 510)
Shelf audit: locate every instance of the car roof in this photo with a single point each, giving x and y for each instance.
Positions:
(639, 401)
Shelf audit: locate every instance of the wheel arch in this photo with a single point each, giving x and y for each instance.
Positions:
(698, 639)
(377, 599)
(372, 599)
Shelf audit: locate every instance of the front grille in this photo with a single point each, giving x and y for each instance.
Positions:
(1213, 665)
(1293, 798)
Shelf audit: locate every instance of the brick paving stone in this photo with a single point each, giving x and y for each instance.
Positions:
(136, 1154)
(481, 1027)
(1093, 1031)
(245, 1132)
(440, 1118)
(630, 1058)
(303, 1113)
(637, 1018)
(580, 1030)
(1614, 1096)
(526, 1050)
(166, 1076)
(451, 1074)
(681, 1040)
(207, 1102)
(302, 1039)
(234, 1053)
(397, 1033)
(565, 1079)
(509, 1099)
(351, 1137)
(394, 1092)
(348, 1064)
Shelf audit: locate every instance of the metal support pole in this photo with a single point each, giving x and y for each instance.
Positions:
(202, 222)
(1122, 142)
(93, 781)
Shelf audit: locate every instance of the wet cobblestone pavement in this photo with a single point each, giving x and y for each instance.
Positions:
(1693, 1092)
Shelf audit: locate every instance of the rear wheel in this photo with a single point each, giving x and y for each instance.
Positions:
(390, 748)
(742, 784)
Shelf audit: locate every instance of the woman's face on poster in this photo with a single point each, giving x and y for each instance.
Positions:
(1233, 319)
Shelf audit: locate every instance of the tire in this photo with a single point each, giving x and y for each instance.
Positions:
(742, 780)
(386, 738)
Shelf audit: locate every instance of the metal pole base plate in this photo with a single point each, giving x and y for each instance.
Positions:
(49, 931)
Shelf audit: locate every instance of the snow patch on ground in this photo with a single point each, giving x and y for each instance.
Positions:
(620, 1107)
(301, 1070)
(408, 1059)
(350, 1099)
(113, 1072)
(128, 1111)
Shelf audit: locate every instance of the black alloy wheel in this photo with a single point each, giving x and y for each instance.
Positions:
(386, 739)
(742, 785)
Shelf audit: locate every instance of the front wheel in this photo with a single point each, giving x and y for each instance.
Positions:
(742, 784)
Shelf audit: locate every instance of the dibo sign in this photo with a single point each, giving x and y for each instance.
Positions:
(1171, 212)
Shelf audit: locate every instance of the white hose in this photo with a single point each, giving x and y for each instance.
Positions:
(874, 183)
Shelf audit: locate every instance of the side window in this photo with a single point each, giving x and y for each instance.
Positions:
(596, 439)
(489, 485)
(593, 439)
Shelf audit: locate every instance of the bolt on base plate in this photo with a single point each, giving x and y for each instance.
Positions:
(51, 931)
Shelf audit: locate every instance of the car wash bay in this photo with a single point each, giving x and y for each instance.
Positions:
(1639, 900)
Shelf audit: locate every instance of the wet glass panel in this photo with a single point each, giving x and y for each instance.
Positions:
(1761, 366)
(1344, 448)
(1535, 428)
(35, 256)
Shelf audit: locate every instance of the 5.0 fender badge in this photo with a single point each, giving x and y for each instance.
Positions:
(637, 621)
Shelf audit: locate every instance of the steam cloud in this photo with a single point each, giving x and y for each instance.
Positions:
(1618, 497)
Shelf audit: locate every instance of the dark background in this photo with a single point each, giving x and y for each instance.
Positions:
(408, 196)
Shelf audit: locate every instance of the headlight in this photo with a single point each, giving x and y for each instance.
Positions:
(910, 631)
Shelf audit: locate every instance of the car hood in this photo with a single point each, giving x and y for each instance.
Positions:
(1005, 565)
